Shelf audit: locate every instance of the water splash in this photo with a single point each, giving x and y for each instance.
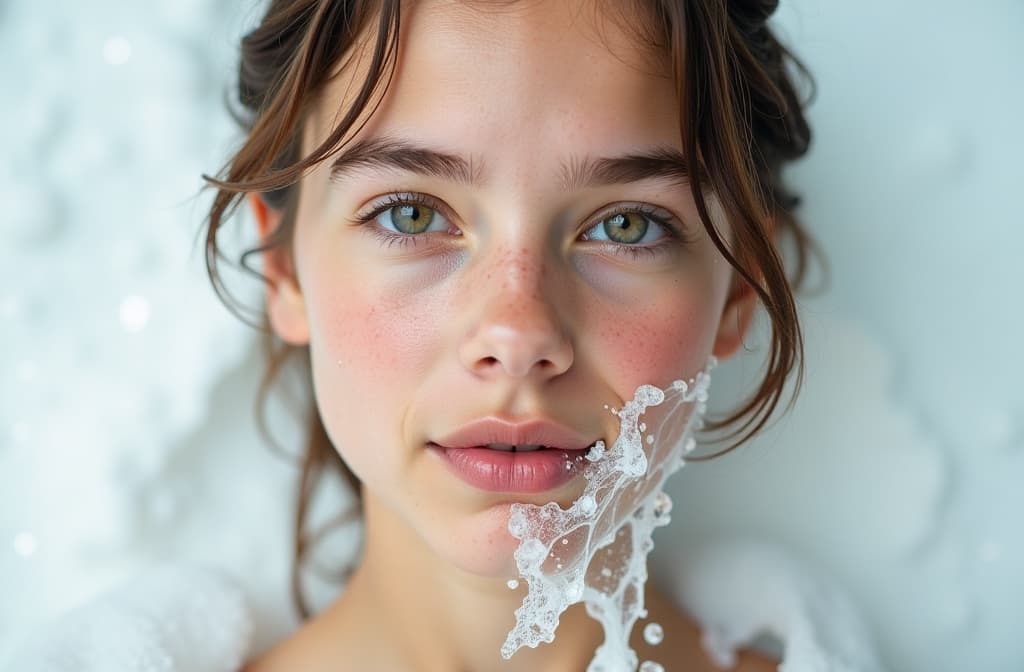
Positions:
(595, 551)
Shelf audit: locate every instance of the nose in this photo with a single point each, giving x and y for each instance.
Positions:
(517, 331)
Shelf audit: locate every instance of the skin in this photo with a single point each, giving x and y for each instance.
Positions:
(512, 309)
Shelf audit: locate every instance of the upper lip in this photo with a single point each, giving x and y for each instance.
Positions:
(537, 432)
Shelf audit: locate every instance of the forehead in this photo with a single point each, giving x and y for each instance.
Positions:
(524, 80)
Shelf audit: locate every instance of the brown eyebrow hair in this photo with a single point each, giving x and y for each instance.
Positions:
(398, 154)
(659, 163)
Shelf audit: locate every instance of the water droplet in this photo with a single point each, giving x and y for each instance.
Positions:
(513, 584)
(650, 439)
(651, 666)
(654, 634)
(605, 572)
(568, 465)
(643, 426)
(565, 542)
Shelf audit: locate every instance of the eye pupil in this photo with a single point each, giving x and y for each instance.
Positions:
(410, 218)
(626, 227)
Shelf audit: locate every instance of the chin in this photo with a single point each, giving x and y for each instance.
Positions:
(481, 545)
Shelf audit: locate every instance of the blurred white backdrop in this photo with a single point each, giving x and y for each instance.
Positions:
(125, 403)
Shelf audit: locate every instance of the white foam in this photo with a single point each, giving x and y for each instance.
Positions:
(595, 551)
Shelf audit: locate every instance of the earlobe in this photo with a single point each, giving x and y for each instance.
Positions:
(286, 307)
(736, 318)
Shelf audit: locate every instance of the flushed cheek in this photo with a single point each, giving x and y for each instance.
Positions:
(369, 348)
(651, 325)
(652, 344)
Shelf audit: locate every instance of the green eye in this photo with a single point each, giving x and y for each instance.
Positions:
(411, 218)
(626, 227)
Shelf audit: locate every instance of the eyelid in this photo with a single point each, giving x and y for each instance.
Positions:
(386, 201)
(672, 224)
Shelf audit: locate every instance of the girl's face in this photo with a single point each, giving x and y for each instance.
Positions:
(492, 245)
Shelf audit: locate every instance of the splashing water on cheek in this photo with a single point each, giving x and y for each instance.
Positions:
(595, 551)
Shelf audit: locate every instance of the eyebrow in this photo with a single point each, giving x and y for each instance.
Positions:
(386, 153)
(664, 163)
(389, 153)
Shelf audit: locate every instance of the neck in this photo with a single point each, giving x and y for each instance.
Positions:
(431, 615)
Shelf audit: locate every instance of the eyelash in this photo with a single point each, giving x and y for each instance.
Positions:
(673, 235)
(655, 215)
(389, 201)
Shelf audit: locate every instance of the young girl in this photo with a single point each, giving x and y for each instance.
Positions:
(484, 224)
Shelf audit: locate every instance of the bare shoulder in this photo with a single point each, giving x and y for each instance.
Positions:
(311, 648)
(682, 647)
(285, 655)
(751, 661)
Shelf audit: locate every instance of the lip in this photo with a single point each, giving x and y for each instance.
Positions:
(540, 432)
(507, 472)
(466, 455)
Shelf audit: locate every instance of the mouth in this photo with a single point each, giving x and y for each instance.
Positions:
(514, 468)
(512, 448)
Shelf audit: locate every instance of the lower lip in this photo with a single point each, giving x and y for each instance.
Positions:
(513, 472)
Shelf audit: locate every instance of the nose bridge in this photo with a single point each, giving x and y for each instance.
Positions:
(518, 330)
(519, 271)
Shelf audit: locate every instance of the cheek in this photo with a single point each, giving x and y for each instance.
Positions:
(656, 343)
(368, 348)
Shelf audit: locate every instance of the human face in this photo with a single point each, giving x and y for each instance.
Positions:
(516, 302)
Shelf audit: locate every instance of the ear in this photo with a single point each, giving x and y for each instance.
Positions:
(736, 318)
(286, 306)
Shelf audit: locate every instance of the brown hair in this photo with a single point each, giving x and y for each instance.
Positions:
(743, 119)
